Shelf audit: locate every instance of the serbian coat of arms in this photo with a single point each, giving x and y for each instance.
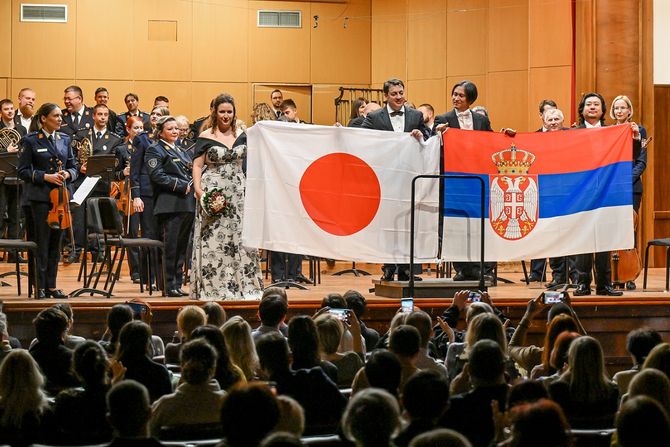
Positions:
(514, 194)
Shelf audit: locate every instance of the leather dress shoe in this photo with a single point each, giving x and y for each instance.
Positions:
(533, 278)
(553, 283)
(582, 290)
(57, 293)
(40, 295)
(608, 291)
(405, 277)
(182, 292)
(388, 275)
(303, 279)
(174, 293)
(72, 257)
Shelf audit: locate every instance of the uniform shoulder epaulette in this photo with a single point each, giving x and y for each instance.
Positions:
(114, 134)
(32, 134)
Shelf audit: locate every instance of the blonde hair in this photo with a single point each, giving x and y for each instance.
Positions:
(241, 348)
(21, 388)
(628, 102)
(586, 377)
(330, 331)
(262, 112)
(486, 326)
(189, 318)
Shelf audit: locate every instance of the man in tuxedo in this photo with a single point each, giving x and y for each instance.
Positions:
(102, 97)
(276, 98)
(396, 117)
(369, 108)
(24, 115)
(77, 116)
(133, 105)
(592, 110)
(463, 95)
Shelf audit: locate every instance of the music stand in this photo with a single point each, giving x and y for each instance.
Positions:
(9, 168)
(102, 166)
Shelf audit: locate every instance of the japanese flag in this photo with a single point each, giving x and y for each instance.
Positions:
(340, 193)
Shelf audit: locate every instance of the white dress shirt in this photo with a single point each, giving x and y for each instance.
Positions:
(589, 125)
(398, 121)
(465, 120)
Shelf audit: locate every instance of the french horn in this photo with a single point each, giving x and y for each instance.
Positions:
(84, 150)
(8, 137)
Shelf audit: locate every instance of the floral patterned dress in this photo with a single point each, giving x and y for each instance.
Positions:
(223, 269)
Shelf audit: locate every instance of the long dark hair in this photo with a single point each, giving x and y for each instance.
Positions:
(223, 98)
(225, 374)
(582, 104)
(303, 339)
(358, 102)
(134, 342)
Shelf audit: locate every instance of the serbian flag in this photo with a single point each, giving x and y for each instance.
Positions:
(339, 193)
(546, 194)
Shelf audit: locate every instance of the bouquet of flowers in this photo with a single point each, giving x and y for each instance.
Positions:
(214, 203)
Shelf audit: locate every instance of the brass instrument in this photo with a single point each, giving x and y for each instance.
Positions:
(84, 150)
(8, 137)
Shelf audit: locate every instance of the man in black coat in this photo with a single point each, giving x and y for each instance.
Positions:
(395, 117)
(77, 116)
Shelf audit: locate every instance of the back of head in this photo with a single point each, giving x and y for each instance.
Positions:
(330, 331)
(334, 301)
(291, 416)
(237, 334)
(527, 391)
(281, 438)
(134, 341)
(477, 308)
(559, 355)
(371, 418)
(50, 325)
(198, 362)
(276, 291)
(486, 363)
(128, 408)
(425, 395)
(486, 326)
(440, 437)
(355, 301)
(560, 323)
(272, 310)
(405, 341)
(642, 422)
(587, 370)
(239, 428)
(383, 370)
(272, 350)
(216, 315)
(422, 322)
(653, 383)
(3, 325)
(540, 423)
(303, 339)
(118, 316)
(21, 387)
(659, 358)
(90, 363)
(640, 342)
(66, 309)
(189, 318)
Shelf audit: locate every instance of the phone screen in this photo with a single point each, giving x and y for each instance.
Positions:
(552, 297)
(138, 308)
(475, 297)
(407, 304)
(342, 314)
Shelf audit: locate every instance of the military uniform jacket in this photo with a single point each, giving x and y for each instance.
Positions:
(17, 126)
(123, 154)
(140, 183)
(105, 145)
(121, 122)
(170, 173)
(86, 122)
(39, 157)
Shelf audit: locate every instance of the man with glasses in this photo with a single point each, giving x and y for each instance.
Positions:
(77, 116)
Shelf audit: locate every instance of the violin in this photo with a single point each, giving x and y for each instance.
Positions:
(626, 264)
(59, 217)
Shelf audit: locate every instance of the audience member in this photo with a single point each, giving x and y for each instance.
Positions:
(128, 412)
(525, 392)
(559, 324)
(133, 354)
(331, 330)
(24, 409)
(240, 345)
(283, 327)
(50, 352)
(227, 373)
(652, 383)
(197, 400)
(216, 314)
(281, 439)
(470, 413)
(397, 320)
(91, 366)
(659, 358)
(303, 339)
(314, 391)
(584, 392)
(425, 400)
(188, 318)
(117, 317)
(272, 311)
(422, 322)
(356, 302)
(540, 423)
(371, 418)
(248, 414)
(71, 341)
(146, 315)
(639, 343)
(382, 370)
(440, 437)
(5, 345)
(291, 416)
(558, 361)
(642, 422)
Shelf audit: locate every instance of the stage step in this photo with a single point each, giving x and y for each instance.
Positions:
(428, 288)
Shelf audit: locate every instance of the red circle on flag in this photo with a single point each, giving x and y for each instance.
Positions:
(341, 193)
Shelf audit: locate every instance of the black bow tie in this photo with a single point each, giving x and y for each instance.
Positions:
(397, 113)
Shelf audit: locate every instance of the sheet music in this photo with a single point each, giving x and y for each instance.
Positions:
(84, 190)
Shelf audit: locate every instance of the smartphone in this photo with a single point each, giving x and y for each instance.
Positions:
(341, 314)
(407, 304)
(138, 308)
(475, 297)
(553, 297)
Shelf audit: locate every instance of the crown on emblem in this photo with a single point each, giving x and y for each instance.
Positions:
(513, 161)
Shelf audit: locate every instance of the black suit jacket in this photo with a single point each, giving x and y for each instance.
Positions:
(86, 122)
(479, 121)
(170, 173)
(356, 122)
(380, 120)
(140, 183)
(121, 122)
(106, 145)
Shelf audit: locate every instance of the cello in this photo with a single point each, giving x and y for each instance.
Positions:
(626, 264)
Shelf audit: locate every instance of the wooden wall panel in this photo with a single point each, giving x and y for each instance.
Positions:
(301, 94)
(389, 40)
(58, 41)
(4, 90)
(483, 90)
(323, 102)
(431, 91)
(117, 91)
(661, 161)
(467, 37)
(279, 55)
(104, 52)
(46, 90)
(220, 42)
(426, 37)
(341, 55)
(5, 39)
(505, 89)
(548, 83)
(204, 92)
(162, 60)
(508, 35)
(549, 35)
(179, 94)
